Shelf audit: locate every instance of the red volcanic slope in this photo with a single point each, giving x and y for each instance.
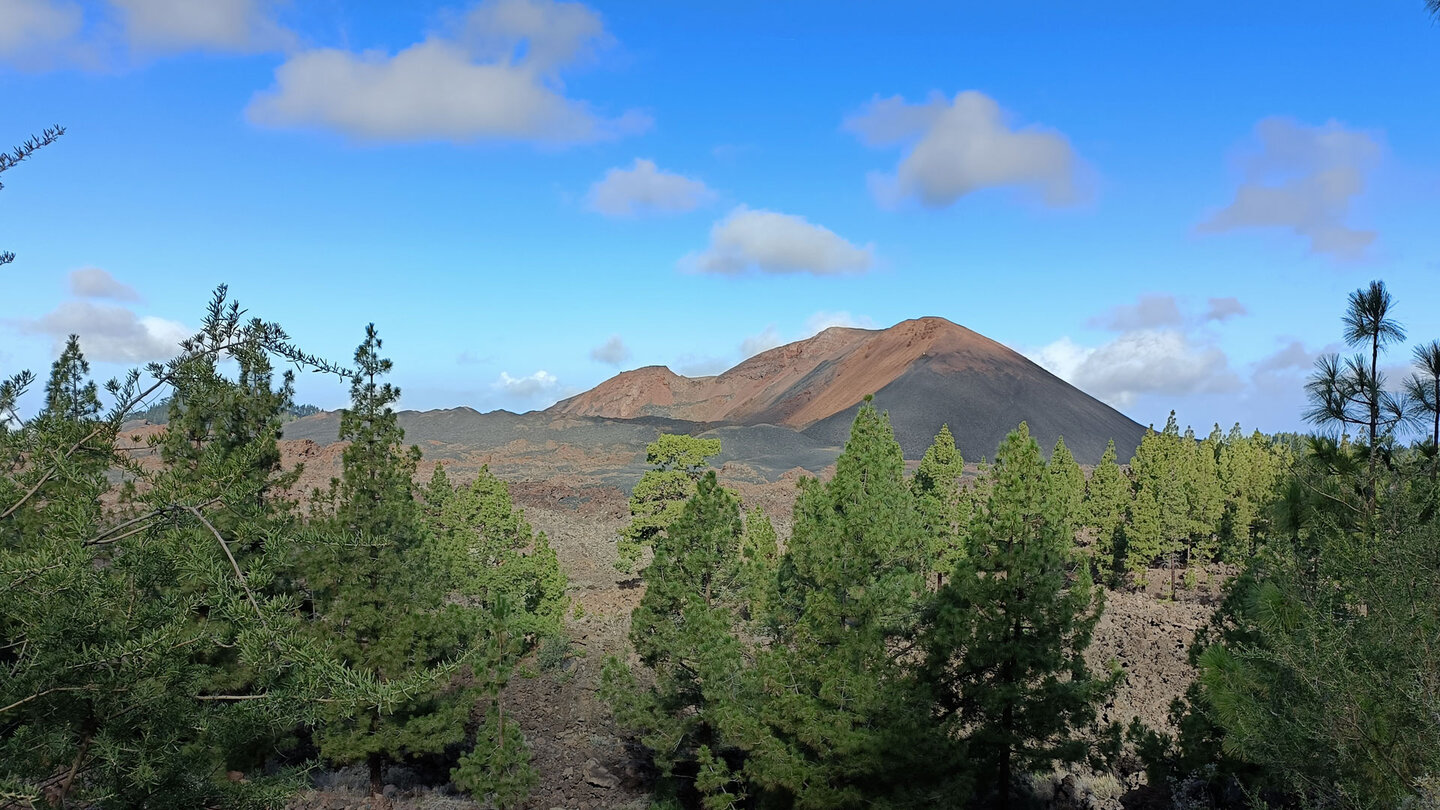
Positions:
(925, 372)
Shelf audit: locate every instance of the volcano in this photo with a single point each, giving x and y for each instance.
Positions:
(924, 372)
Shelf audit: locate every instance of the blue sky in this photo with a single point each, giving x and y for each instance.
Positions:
(1165, 205)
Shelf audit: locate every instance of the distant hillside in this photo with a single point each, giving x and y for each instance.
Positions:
(542, 446)
(925, 372)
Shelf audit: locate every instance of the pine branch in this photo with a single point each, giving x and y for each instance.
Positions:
(47, 136)
(108, 536)
(37, 695)
(50, 473)
(239, 575)
(8, 160)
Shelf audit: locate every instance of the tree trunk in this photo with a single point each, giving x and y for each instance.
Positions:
(1003, 800)
(74, 768)
(1374, 399)
(377, 783)
(1008, 676)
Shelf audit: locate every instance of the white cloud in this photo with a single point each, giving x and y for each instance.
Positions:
(644, 189)
(1277, 380)
(1223, 309)
(768, 339)
(1062, 358)
(47, 34)
(529, 387)
(771, 242)
(495, 76)
(1143, 361)
(961, 146)
(612, 352)
(1163, 311)
(92, 282)
(1303, 179)
(1149, 312)
(39, 34)
(1292, 355)
(241, 26)
(552, 34)
(109, 333)
(821, 321)
(1165, 348)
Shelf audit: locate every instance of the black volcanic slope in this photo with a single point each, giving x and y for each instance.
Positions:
(982, 407)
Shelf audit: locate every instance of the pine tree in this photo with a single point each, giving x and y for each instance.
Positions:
(1250, 471)
(1200, 475)
(835, 718)
(1325, 675)
(1320, 671)
(1423, 390)
(374, 604)
(69, 430)
(142, 650)
(220, 449)
(1351, 393)
(759, 558)
(1067, 482)
(1235, 526)
(1004, 651)
(661, 493)
(375, 494)
(484, 551)
(1160, 513)
(1211, 502)
(1368, 324)
(1107, 508)
(230, 430)
(1145, 541)
(683, 632)
(124, 610)
(1171, 479)
(936, 486)
(498, 766)
(71, 395)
